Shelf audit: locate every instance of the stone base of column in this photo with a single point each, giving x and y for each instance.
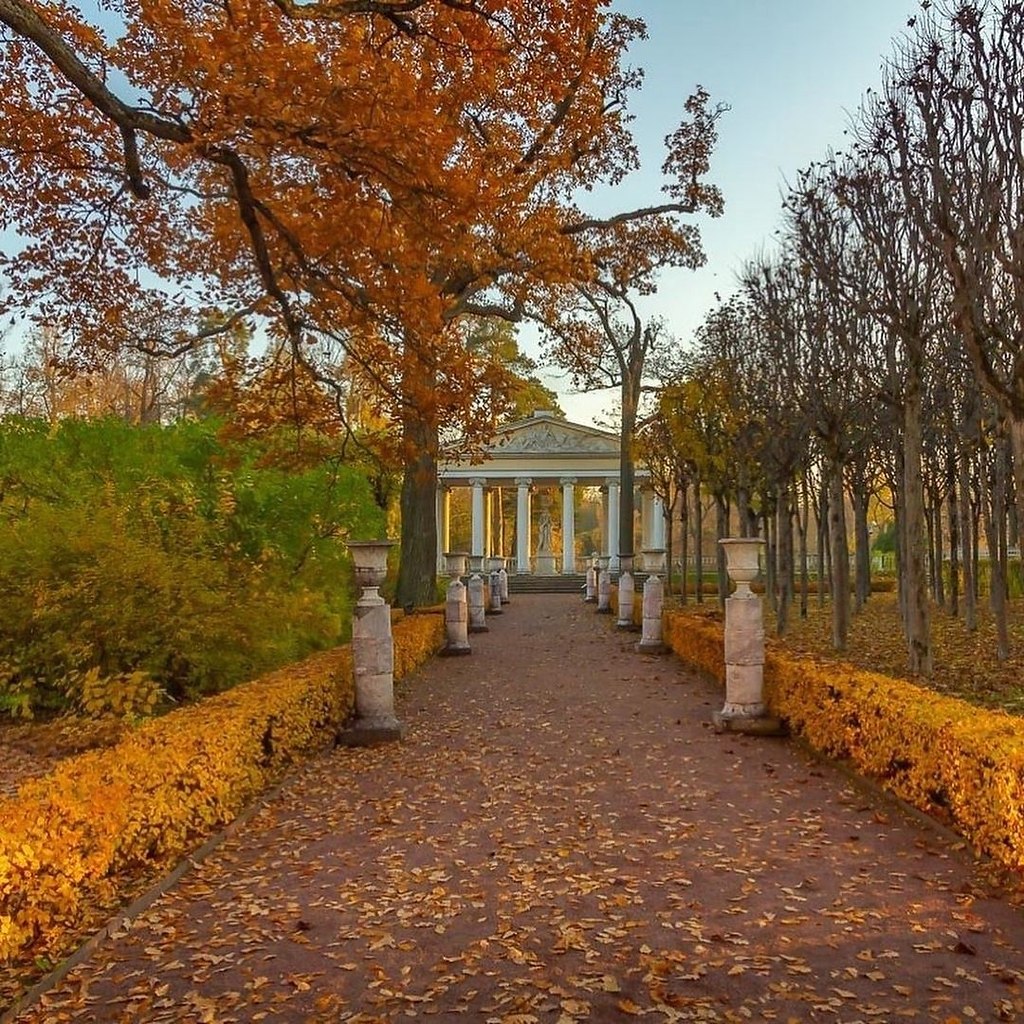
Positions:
(591, 600)
(479, 629)
(450, 650)
(651, 647)
(763, 724)
(369, 732)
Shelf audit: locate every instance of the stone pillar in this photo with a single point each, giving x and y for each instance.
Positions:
(444, 520)
(613, 523)
(495, 581)
(477, 517)
(604, 587)
(744, 709)
(523, 524)
(626, 592)
(568, 525)
(651, 641)
(475, 596)
(503, 580)
(590, 594)
(456, 607)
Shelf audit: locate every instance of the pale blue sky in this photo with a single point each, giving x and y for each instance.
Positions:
(792, 71)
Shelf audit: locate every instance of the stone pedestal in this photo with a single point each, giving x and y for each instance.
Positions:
(744, 709)
(373, 658)
(495, 608)
(627, 591)
(590, 594)
(477, 610)
(545, 565)
(651, 641)
(456, 619)
(604, 590)
(503, 580)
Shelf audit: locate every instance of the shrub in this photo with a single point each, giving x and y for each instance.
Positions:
(958, 762)
(74, 841)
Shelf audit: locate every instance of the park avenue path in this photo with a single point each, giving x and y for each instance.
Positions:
(562, 837)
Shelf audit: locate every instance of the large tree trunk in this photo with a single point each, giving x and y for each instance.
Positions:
(917, 623)
(417, 570)
(840, 560)
(627, 475)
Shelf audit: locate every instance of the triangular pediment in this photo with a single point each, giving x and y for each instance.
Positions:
(543, 433)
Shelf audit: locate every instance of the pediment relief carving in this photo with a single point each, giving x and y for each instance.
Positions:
(554, 439)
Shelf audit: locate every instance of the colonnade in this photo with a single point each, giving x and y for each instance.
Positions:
(482, 541)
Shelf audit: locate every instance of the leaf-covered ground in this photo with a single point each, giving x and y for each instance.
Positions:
(561, 837)
(31, 749)
(965, 663)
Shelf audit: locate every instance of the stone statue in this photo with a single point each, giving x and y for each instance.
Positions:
(544, 542)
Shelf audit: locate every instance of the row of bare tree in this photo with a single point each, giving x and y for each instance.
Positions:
(880, 351)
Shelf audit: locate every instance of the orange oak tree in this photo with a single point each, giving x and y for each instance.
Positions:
(355, 175)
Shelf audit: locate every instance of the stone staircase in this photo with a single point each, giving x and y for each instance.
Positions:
(573, 584)
(525, 584)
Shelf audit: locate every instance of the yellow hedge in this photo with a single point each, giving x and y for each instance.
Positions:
(71, 842)
(963, 764)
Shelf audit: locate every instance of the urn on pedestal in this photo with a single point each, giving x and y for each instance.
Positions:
(456, 606)
(373, 651)
(651, 641)
(744, 709)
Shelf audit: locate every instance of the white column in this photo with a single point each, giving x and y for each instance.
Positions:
(613, 523)
(477, 517)
(657, 523)
(444, 520)
(523, 524)
(489, 522)
(568, 525)
(646, 534)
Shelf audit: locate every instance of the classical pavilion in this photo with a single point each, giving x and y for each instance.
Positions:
(544, 451)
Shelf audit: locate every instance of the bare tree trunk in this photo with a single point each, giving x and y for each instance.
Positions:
(784, 572)
(803, 521)
(1016, 426)
(994, 510)
(840, 561)
(917, 623)
(698, 541)
(684, 543)
(862, 548)
(824, 548)
(721, 531)
(929, 520)
(954, 539)
(771, 537)
(967, 535)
